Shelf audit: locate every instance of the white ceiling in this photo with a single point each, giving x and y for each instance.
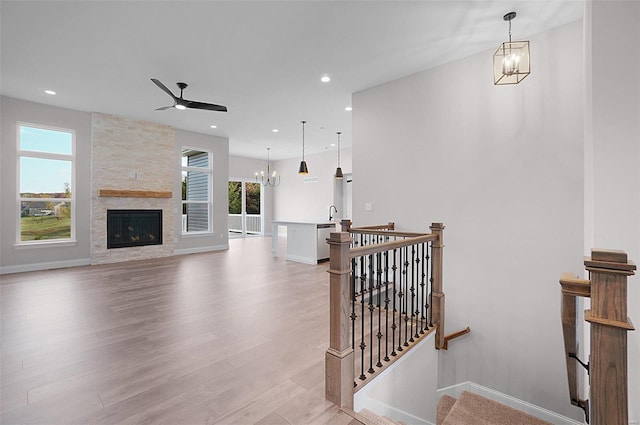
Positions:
(262, 59)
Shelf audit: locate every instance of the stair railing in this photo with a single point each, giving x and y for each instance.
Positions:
(385, 295)
(607, 366)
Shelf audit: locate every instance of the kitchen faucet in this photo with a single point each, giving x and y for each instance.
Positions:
(331, 215)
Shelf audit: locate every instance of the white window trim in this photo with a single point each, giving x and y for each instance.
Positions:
(72, 185)
(209, 202)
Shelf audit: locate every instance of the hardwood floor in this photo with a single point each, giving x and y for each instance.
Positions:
(215, 338)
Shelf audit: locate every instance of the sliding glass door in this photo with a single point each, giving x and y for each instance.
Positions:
(246, 202)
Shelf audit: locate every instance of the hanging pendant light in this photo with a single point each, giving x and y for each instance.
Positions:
(339, 175)
(272, 179)
(511, 62)
(303, 164)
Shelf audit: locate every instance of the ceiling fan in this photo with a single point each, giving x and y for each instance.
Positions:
(180, 103)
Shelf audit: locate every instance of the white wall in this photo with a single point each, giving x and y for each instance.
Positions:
(14, 259)
(296, 200)
(502, 167)
(612, 141)
(219, 148)
(240, 167)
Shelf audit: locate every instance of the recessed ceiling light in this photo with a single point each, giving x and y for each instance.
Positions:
(275, 130)
(325, 78)
(213, 126)
(348, 108)
(50, 92)
(333, 144)
(181, 107)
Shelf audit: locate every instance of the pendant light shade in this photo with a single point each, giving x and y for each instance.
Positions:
(303, 164)
(339, 175)
(511, 62)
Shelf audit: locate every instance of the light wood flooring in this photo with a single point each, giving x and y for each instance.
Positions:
(232, 337)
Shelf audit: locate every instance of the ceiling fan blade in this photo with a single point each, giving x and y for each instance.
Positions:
(206, 106)
(164, 107)
(164, 88)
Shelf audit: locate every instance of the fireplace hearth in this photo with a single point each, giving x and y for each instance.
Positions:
(128, 228)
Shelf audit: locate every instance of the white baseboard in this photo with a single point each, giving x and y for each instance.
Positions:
(507, 400)
(200, 249)
(87, 261)
(45, 266)
(299, 259)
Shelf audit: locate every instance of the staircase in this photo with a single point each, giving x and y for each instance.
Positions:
(474, 409)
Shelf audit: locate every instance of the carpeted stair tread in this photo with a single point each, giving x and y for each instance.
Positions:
(375, 419)
(473, 409)
(444, 407)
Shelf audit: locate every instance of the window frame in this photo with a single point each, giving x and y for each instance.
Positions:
(209, 202)
(24, 153)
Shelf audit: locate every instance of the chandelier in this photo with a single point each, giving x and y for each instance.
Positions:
(511, 62)
(271, 179)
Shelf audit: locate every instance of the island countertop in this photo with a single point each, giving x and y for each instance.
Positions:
(285, 222)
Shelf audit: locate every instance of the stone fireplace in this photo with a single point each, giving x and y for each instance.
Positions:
(133, 168)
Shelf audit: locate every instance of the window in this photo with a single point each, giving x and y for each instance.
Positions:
(196, 191)
(46, 184)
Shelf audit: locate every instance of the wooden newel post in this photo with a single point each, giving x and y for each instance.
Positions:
(345, 224)
(609, 326)
(339, 360)
(437, 296)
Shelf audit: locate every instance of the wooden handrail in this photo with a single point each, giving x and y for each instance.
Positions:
(572, 287)
(454, 336)
(389, 226)
(607, 288)
(386, 246)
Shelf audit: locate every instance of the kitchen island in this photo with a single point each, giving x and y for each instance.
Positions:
(306, 240)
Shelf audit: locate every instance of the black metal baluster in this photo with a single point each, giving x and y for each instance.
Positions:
(386, 306)
(379, 289)
(353, 315)
(371, 308)
(363, 346)
(406, 301)
(427, 302)
(413, 292)
(431, 290)
(422, 298)
(403, 274)
(363, 289)
(394, 326)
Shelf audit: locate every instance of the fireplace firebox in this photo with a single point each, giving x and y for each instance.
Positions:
(127, 228)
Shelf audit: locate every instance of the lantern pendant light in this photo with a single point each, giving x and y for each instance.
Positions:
(339, 175)
(511, 62)
(303, 164)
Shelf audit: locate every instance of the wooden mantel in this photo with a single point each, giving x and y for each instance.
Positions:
(117, 193)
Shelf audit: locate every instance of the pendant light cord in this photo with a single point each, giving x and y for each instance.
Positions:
(303, 123)
(339, 149)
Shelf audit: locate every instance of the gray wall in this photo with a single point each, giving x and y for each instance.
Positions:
(502, 167)
(297, 200)
(14, 259)
(612, 149)
(219, 148)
